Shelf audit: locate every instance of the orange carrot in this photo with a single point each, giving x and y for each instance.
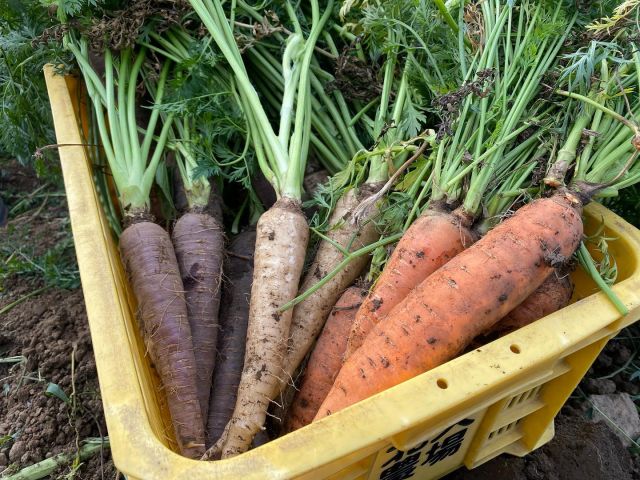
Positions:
(462, 299)
(325, 360)
(431, 241)
(554, 294)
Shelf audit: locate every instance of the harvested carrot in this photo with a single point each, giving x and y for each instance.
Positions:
(278, 263)
(462, 299)
(325, 360)
(282, 232)
(152, 268)
(554, 294)
(198, 239)
(145, 248)
(431, 241)
(181, 202)
(234, 314)
(310, 314)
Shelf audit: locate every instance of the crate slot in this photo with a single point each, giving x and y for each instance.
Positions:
(496, 434)
(516, 414)
(499, 442)
(523, 397)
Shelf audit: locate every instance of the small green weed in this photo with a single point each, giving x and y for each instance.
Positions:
(55, 267)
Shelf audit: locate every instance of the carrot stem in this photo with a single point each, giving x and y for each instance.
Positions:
(589, 265)
(450, 21)
(593, 103)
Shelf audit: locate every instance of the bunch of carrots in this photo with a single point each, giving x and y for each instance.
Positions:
(317, 202)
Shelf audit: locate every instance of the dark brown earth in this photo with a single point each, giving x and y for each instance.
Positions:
(44, 340)
(51, 333)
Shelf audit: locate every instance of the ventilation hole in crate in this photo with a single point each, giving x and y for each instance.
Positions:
(442, 383)
(522, 397)
(515, 348)
(533, 392)
(503, 430)
(513, 402)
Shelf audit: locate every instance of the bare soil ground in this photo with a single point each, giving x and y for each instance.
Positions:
(44, 340)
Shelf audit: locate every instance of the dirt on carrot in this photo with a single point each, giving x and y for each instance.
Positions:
(431, 241)
(198, 239)
(278, 263)
(463, 298)
(310, 314)
(554, 294)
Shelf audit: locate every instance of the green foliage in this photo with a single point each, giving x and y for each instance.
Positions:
(391, 220)
(606, 265)
(55, 267)
(54, 390)
(73, 7)
(25, 118)
(413, 120)
(201, 92)
(581, 65)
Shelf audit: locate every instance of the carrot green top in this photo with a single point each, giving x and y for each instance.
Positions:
(498, 102)
(132, 164)
(281, 155)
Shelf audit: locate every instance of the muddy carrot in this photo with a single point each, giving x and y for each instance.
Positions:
(501, 161)
(282, 231)
(352, 224)
(431, 241)
(198, 240)
(309, 315)
(153, 272)
(145, 248)
(554, 294)
(462, 299)
(325, 360)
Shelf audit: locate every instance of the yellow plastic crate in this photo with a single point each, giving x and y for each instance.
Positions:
(501, 398)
